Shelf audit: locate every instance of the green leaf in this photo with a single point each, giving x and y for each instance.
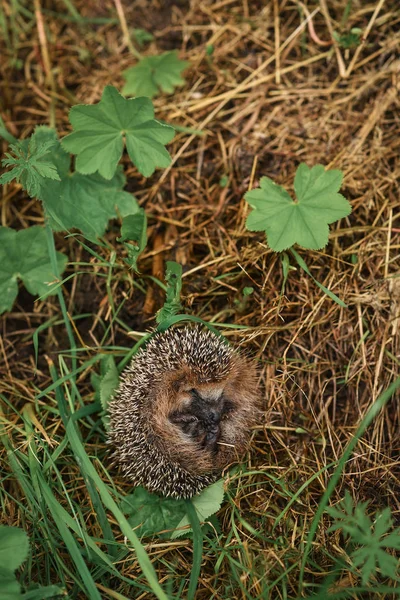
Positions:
(24, 255)
(108, 385)
(206, 504)
(383, 522)
(31, 163)
(10, 589)
(349, 40)
(388, 564)
(305, 221)
(52, 592)
(150, 514)
(172, 304)
(155, 73)
(85, 202)
(100, 131)
(134, 227)
(371, 538)
(14, 547)
(142, 36)
(393, 540)
(247, 291)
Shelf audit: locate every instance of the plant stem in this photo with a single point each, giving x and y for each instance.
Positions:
(125, 30)
(54, 265)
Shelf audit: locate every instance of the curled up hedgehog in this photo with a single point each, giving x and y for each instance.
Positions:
(183, 411)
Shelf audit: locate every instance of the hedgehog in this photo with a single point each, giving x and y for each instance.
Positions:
(183, 411)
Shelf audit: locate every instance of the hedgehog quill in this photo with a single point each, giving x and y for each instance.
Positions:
(182, 412)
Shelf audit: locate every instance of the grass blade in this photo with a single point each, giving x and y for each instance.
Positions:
(87, 467)
(303, 265)
(197, 549)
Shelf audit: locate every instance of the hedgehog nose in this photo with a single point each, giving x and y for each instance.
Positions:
(214, 416)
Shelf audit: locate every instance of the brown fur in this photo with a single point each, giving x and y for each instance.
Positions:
(239, 387)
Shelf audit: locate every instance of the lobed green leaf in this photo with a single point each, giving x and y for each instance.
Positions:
(102, 129)
(303, 221)
(30, 168)
(206, 504)
(155, 73)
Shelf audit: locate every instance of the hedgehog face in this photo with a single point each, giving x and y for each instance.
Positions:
(183, 412)
(201, 417)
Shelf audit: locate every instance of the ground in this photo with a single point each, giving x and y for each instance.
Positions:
(267, 97)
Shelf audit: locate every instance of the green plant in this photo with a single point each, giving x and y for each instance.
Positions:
(14, 550)
(134, 228)
(24, 255)
(84, 199)
(352, 39)
(142, 36)
(29, 166)
(101, 130)
(172, 304)
(152, 515)
(367, 540)
(304, 220)
(369, 417)
(155, 73)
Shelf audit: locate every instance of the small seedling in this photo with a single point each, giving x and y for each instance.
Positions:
(304, 220)
(243, 299)
(172, 304)
(368, 540)
(349, 40)
(134, 228)
(223, 182)
(154, 73)
(142, 36)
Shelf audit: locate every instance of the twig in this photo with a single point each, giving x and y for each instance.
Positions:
(339, 57)
(364, 38)
(125, 30)
(46, 60)
(277, 43)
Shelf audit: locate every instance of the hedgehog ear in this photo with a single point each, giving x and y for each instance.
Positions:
(180, 381)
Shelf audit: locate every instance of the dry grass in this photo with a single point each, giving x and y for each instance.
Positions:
(268, 98)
